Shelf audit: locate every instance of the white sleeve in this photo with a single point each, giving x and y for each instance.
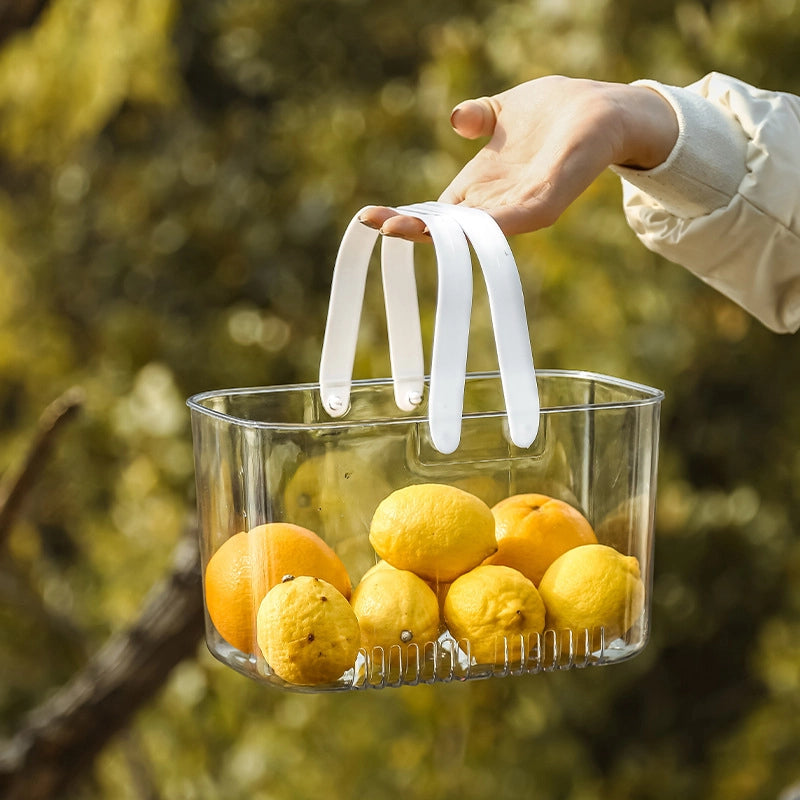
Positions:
(726, 203)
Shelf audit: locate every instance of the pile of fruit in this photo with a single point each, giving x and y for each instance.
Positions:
(490, 578)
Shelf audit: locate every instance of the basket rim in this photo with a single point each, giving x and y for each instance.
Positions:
(648, 396)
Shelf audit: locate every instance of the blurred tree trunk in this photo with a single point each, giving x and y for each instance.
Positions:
(61, 738)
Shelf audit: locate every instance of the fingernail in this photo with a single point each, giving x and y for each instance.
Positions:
(426, 231)
(453, 114)
(369, 223)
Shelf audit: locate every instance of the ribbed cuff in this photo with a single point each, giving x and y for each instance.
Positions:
(707, 163)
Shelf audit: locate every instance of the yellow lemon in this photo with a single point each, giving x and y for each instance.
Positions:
(307, 631)
(493, 605)
(590, 587)
(532, 530)
(395, 607)
(334, 490)
(439, 589)
(434, 530)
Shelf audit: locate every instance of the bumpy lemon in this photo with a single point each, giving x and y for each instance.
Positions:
(532, 530)
(591, 587)
(394, 607)
(439, 589)
(434, 530)
(307, 631)
(491, 606)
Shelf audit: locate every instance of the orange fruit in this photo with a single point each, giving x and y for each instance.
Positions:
(533, 530)
(250, 563)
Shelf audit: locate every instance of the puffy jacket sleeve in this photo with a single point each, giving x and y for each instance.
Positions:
(726, 203)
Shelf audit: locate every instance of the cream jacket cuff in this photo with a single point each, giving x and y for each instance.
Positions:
(707, 163)
(726, 203)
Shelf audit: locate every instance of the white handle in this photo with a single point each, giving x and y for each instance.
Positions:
(507, 308)
(451, 327)
(449, 226)
(402, 322)
(344, 314)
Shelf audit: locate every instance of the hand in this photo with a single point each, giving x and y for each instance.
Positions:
(550, 139)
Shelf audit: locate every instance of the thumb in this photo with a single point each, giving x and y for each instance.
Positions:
(474, 118)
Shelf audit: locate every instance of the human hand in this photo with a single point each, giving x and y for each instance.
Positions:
(550, 138)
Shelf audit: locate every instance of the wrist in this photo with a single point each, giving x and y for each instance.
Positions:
(649, 125)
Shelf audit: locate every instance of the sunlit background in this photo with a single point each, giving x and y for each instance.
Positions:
(174, 182)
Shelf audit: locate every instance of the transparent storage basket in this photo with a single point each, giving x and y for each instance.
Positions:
(274, 455)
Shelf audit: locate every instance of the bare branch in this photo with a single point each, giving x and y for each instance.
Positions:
(15, 487)
(62, 737)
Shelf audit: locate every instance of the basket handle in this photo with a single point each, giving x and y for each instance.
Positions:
(449, 227)
(451, 327)
(507, 309)
(344, 314)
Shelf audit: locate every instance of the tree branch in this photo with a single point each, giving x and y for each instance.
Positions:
(15, 487)
(63, 736)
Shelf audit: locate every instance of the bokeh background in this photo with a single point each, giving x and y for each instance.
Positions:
(174, 181)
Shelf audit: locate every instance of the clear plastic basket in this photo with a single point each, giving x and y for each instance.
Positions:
(266, 455)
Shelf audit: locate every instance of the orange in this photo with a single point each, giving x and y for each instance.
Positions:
(533, 530)
(250, 563)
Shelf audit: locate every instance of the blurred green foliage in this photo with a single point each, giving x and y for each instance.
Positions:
(174, 181)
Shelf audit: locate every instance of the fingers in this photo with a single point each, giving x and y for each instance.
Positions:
(409, 228)
(473, 119)
(390, 223)
(512, 220)
(375, 216)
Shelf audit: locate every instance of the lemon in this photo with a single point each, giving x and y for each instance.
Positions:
(394, 607)
(492, 605)
(307, 631)
(593, 586)
(439, 589)
(434, 530)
